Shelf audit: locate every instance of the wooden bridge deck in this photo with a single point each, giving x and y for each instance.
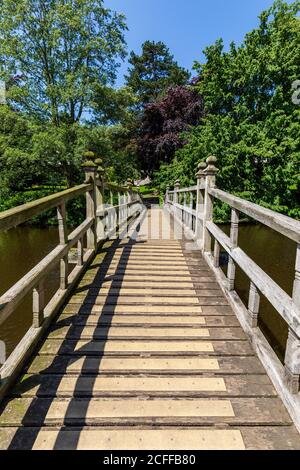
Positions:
(146, 342)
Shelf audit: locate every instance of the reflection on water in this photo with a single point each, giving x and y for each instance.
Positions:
(23, 247)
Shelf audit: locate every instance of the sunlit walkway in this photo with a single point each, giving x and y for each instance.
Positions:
(147, 354)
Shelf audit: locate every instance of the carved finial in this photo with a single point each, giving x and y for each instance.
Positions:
(129, 183)
(201, 167)
(89, 160)
(100, 168)
(177, 184)
(211, 168)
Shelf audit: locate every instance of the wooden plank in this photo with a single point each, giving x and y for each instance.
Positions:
(94, 411)
(87, 309)
(88, 285)
(140, 290)
(153, 320)
(126, 299)
(86, 332)
(105, 277)
(143, 269)
(168, 385)
(111, 439)
(161, 347)
(191, 366)
(138, 320)
(72, 385)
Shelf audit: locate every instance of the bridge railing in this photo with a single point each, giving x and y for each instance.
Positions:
(193, 207)
(109, 208)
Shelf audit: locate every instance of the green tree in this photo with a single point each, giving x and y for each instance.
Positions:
(251, 124)
(60, 50)
(153, 72)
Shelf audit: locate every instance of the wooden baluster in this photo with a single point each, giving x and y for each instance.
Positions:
(191, 208)
(90, 169)
(184, 214)
(176, 198)
(111, 211)
(100, 199)
(38, 304)
(130, 197)
(63, 240)
(210, 182)
(200, 175)
(292, 355)
(234, 232)
(123, 208)
(253, 305)
(119, 215)
(80, 252)
(167, 195)
(217, 254)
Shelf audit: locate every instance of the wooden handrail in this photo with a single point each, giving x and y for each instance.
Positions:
(280, 300)
(97, 226)
(282, 224)
(20, 214)
(200, 226)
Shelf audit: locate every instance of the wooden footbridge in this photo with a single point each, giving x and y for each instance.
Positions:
(145, 344)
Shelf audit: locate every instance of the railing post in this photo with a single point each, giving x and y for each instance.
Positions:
(63, 240)
(90, 169)
(253, 305)
(217, 254)
(100, 199)
(167, 195)
(80, 252)
(200, 175)
(234, 232)
(210, 182)
(38, 304)
(129, 185)
(176, 197)
(120, 209)
(184, 214)
(292, 355)
(191, 208)
(129, 198)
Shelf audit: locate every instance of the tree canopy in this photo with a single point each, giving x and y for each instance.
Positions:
(59, 60)
(251, 123)
(153, 72)
(60, 50)
(162, 125)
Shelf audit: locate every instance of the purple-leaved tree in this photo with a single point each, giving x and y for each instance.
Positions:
(163, 124)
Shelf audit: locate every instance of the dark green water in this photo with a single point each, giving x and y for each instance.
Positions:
(22, 248)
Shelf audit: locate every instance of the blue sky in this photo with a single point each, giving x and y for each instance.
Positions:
(187, 26)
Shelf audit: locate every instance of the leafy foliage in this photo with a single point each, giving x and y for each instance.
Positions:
(251, 123)
(153, 72)
(163, 122)
(60, 50)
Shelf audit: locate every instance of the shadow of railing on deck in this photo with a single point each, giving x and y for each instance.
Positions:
(40, 407)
